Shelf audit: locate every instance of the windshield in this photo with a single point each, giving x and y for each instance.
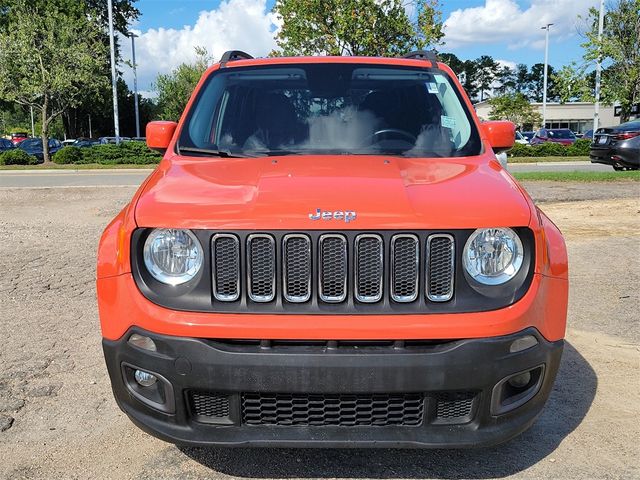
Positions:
(330, 109)
(31, 142)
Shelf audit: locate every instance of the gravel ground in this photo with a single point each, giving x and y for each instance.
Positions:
(58, 418)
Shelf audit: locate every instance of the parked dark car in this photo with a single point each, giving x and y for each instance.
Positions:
(33, 146)
(18, 137)
(6, 145)
(112, 140)
(528, 135)
(86, 142)
(617, 146)
(564, 136)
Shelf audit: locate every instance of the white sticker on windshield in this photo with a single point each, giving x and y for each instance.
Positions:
(447, 122)
(432, 87)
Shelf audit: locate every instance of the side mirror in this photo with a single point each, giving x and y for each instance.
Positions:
(159, 135)
(500, 134)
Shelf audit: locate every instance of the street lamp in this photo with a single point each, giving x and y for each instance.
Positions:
(596, 111)
(135, 81)
(544, 88)
(116, 123)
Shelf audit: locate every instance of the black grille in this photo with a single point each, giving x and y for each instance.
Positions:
(333, 268)
(454, 407)
(440, 264)
(369, 268)
(226, 267)
(208, 407)
(297, 268)
(404, 268)
(262, 267)
(339, 410)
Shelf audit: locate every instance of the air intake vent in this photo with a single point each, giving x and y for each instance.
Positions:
(208, 407)
(405, 255)
(369, 268)
(333, 268)
(440, 266)
(225, 251)
(297, 268)
(317, 410)
(261, 250)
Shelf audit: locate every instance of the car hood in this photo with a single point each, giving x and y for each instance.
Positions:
(271, 193)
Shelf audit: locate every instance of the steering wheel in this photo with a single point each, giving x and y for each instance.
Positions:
(394, 132)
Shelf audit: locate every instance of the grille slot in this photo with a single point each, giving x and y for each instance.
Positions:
(297, 268)
(209, 407)
(378, 410)
(440, 267)
(369, 268)
(225, 251)
(261, 262)
(454, 407)
(405, 255)
(333, 268)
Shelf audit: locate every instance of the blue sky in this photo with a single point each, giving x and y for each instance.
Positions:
(508, 30)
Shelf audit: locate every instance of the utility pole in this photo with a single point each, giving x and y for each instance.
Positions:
(116, 122)
(33, 127)
(135, 81)
(90, 134)
(596, 112)
(546, 64)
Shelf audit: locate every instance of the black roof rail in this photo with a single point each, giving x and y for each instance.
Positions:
(231, 55)
(423, 55)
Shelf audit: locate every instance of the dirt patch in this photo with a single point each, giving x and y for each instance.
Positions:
(60, 419)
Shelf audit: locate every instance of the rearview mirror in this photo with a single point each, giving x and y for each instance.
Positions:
(159, 135)
(500, 134)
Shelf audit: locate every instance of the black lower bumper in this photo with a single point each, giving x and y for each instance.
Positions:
(472, 371)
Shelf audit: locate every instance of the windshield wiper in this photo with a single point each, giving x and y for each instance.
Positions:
(209, 151)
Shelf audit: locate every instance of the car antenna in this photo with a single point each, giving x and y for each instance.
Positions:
(429, 55)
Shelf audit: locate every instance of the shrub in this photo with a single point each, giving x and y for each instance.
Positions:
(126, 153)
(580, 148)
(520, 150)
(68, 155)
(17, 156)
(550, 149)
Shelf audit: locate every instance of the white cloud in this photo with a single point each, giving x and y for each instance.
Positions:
(235, 25)
(504, 21)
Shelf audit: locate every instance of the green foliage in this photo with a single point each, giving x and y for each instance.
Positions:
(550, 149)
(577, 176)
(175, 88)
(68, 154)
(356, 27)
(17, 156)
(620, 48)
(51, 54)
(572, 84)
(125, 153)
(514, 107)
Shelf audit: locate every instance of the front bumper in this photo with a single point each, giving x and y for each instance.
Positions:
(474, 366)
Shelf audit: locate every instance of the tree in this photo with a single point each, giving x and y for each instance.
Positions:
(356, 27)
(506, 81)
(571, 84)
(522, 78)
(536, 83)
(48, 58)
(620, 47)
(514, 107)
(175, 88)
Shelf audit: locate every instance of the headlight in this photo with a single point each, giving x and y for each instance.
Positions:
(172, 256)
(493, 256)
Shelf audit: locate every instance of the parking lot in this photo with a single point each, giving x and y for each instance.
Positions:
(60, 419)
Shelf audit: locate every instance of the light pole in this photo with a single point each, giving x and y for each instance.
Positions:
(33, 127)
(544, 87)
(135, 81)
(116, 122)
(596, 111)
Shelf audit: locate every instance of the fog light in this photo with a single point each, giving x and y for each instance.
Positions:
(520, 381)
(144, 379)
(143, 342)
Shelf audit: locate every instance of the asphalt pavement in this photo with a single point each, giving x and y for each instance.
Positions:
(134, 177)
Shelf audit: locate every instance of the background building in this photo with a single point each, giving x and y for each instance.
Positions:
(577, 116)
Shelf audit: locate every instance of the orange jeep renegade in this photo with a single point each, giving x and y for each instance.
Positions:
(330, 255)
